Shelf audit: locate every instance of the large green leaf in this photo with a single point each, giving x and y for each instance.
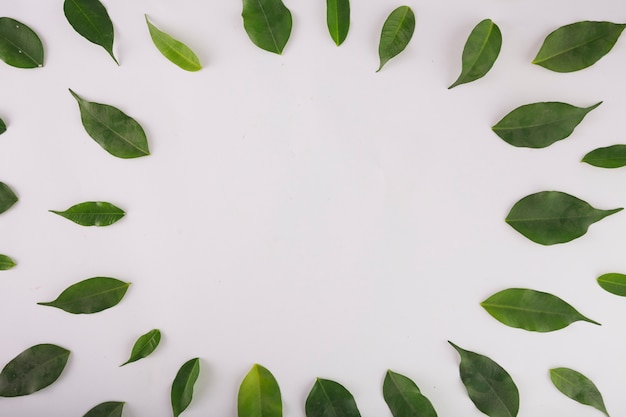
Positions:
(267, 23)
(338, 19)
(174, 50)
(396, 33)
(91, 20)
(330, 399)
(7, 197)
(578, 387)
(259, 395)
(182, 387)
(90, 296)
(19, 46)
(92, 213)
(6, 263)
(106, 409)
(404, 397)
(614, 283)
(609, 157)
(144, 346)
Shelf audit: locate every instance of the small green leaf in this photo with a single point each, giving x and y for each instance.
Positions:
(404, 397)
(7, 197)
(396, 34)
(613, 283)
(107, 409)
(539, 125)
(330, 399)
(144, 346)
(551, 217)
(3, 127)
(182, 387)
(90, 19)
(117, 133)
(609, 157)
(480, 52)
(174, 50)
(267, 23)
(92, 213)
(19, 46)
(338, 19)
(259, 395)
(577, 387)
(578, 45)
(488, 385)
(6, 263)
(32, 370)
(532, 310)
(90, 296)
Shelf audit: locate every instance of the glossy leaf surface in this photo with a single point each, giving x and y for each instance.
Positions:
(259, 395)
(539, 125)
(338, 19)
(330, 399)
(90, 296)
(613, 283)
(182, 387)
(6, 263)
(174, 50)
(19, 45)
(609, 157)
(480, 52)
(106, 409)
(551, 217)
(117, 133)
(404, 397)
(267, 23)
(32, 370)
(3, 127)
(91, 20)
(7, 197)
(577, 387)
(578, 45)
(532, 310)
(488, 385)
(144, 346)
(92, 213)
(396, 33)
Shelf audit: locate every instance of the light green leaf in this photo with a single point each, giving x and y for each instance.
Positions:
(144, 346)
(613, 283)
(182, 387)
(259, 395)
(174, 50)
(578, 387)
(609, 157)
(90, 296)
(330, 399)
(91, 20)
(338, 19)
(92, 213)
(7, 197)
(6, 263)
(404, 397)
(19, 46)
(396, 33)
(107, 409)
(267, 23)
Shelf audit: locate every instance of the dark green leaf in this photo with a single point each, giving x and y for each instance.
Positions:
(267, 23)
(480, 52)
(330, 399)
(174, 50)
(539, 125)
(19, 46)
(609, 157)
(32, 370)
(578, 45)
(488, 385)
(90, 296)
(6, 263)
(613, 283)
(144, 346)
(404, 397)
(90, 19)
(117, 133)
(259, 395)
(107, 409)
(7, 197)
(3, 127)
(532, 310)
(396, 34)
(338, 19)
(92, 213)
(182, 387)
(577, 387)
(551, 217)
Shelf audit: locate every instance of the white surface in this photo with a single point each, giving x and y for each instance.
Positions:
(302, 211)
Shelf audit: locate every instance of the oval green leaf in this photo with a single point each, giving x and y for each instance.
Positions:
(480, 52)
(91, 20)
(7, 197)
(532, 310)
(90, 296)
(182, 387)
(32, 370)
(174, 50)
(119, 134)
(404, 397)
(267, 23)
(330, 399)
(539, 125)
(578, 45)
(396, 34)
(92, 213)
(488, 385)
(551, 217)
(609, 157)
(3, 127)
(259, 395)
(19, 46)
(578, 387)
(144, 346)
(338, 19)
(106, 409)
(6, 263)
(613, 283)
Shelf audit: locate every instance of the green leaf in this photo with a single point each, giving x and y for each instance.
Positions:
(7, 197)
(182, 387)
(3, 127)
(267, 23)
(32, 370)
(532, 310)
(174, 50)
(480, 52)
(404, 397)
(613, 283)
(90, 296)
(488, 385)
(396, 34)
(259, 395)
(578, 45)
(551, 217)
(6, 263)
(144, 346)
(539, 125)
(106, 409)
(330, 399)
(92, 213)
(609, 157)
(90, 19)
(119, 134)
(338, 19)
(577, 387)
(19, 46)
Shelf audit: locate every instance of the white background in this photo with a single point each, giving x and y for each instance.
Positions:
(304, 212)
